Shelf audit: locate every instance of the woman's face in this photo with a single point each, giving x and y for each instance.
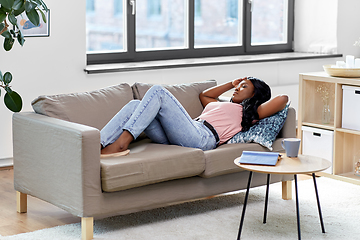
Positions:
(243, 91)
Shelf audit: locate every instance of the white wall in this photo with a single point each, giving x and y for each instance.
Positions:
(55, 65)
(347, 28)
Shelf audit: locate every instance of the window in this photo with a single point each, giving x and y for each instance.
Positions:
(118, 7)
(90, 6)
(197, 8)
(153, 8)
(215, 30)
(174, 29)
(105, 28)
(232, 9)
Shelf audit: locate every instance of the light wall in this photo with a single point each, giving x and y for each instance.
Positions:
(55, 64)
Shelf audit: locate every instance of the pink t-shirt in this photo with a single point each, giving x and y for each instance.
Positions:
(225, 117)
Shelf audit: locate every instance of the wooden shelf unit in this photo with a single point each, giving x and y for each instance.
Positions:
(346, 143)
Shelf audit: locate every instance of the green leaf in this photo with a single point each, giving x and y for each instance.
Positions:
(18, 4)
(30, 6)
(7, 3)
(1, 77)
(2, 15)
(33, 17)
(12, 18)
(8, 89)
(20, 10)
(43, 16)
(8, 43)
(13, 33)
(0, 92)
(20, 38)
(1, 28)
(6, 34)
(13, 101)
(41, 3)
(7, 78)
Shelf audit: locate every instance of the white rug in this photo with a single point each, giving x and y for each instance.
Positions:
(218, 218)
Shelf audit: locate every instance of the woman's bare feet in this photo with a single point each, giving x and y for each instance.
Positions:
(120, 145)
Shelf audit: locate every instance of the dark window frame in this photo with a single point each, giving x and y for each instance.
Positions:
(245, 49)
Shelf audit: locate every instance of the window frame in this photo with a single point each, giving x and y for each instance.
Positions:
(191, 52)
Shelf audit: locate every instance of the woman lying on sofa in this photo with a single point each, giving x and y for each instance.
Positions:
(164, 120)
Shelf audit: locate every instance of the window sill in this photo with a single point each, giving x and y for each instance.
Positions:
(199, 62)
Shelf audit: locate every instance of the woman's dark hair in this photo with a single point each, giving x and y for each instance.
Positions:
(262, 93)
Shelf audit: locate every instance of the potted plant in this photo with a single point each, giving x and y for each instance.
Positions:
(9, 30)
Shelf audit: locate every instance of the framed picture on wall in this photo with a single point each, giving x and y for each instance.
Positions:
(28, 29)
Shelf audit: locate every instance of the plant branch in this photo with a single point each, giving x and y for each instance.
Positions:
(5, 28)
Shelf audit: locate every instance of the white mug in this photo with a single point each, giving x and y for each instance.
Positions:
(291, 146)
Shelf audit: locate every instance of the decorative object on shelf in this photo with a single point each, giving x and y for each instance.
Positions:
(325, 91)
(348, 68)
(357, 168)
(357, 164)
(326, 114)
(334, 71)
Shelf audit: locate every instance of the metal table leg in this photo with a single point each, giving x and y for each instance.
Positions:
(244, 207)
(297, 208)
(318, 203)
(266, 197)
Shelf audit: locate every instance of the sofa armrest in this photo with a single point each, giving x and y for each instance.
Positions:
(289, 128)
(57, 161)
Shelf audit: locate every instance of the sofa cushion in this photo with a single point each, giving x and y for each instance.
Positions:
(150, 163)
(264, 131)
(93, 108)
(220, 161)
(187, 94)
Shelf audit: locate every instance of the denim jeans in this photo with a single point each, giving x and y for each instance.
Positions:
(163, 119)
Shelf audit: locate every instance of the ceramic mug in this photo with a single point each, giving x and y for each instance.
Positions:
(291, 146)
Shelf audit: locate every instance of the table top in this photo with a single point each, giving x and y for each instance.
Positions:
(300, 165)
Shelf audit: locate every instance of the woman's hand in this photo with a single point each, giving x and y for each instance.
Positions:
(236, 82)
(211, 94)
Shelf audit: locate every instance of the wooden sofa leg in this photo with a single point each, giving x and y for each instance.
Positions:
(87, 228)
(287, 190)
(21, 202)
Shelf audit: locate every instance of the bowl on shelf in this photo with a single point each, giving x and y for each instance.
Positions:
(341, 72)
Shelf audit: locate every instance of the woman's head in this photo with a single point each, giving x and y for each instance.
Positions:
(251, 93)
(251, 87)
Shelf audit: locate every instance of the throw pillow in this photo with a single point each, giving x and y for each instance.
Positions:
(264, 131)
(94, 108)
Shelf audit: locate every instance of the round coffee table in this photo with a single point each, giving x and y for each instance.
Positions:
(302, 164)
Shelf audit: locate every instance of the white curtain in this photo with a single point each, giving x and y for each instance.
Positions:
(315, 26)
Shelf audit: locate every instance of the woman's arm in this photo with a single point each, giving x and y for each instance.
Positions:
(211, 94)
(272, 106)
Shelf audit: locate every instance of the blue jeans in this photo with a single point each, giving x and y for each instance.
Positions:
(163, 119)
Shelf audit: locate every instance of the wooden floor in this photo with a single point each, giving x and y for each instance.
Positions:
(40, 214)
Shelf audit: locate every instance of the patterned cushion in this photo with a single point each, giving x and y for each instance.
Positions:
(264, 131)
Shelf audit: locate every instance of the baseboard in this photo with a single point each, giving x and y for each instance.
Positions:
(6, 163)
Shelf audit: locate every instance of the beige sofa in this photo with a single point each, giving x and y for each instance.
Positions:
(57, 158)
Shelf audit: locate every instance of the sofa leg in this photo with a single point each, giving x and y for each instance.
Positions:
(87, 228)
(287, 190)
(21, 202)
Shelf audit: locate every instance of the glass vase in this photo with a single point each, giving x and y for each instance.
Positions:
(357, 164)
(326, 114)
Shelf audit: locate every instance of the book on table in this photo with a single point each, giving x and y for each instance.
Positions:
(259, 158)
